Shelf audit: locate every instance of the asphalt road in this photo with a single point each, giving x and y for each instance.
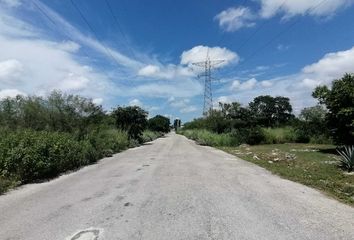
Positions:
(172, 189)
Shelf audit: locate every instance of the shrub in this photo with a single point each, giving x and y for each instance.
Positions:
(105, 142)
(279, 135)
(29, 155)
(347, 160)
(150, 135)
(250, 136)
(159, 124)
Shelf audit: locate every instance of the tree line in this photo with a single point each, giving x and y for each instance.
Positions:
(41, 137)
(332, 120)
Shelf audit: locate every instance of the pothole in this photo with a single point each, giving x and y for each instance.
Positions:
(90, 234)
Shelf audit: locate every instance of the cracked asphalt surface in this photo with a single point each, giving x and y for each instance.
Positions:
(172, 189)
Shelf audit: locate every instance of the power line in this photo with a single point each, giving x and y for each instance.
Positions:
(40, 9)
(254, 53)
(119, 26)
(56, 25)
(94, 32)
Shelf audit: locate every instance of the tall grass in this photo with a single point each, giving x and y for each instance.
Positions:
(279, 135)
(204, 137)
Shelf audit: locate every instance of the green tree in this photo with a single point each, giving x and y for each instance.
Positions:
(132, 119)
(159, 124)
(339, 100)
(269, 111)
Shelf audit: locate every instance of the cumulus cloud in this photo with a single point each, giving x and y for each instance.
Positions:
(233, 19)
(135, 102)
(97, 101)
(184, 105)
(199, 54)
(246, 85)
(10, 71)
(73, 82)
(331, 66)
(169, 71)
(10, 93)
(149, 70)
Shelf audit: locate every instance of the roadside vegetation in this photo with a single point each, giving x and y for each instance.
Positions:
(314, 148)
(42, 137)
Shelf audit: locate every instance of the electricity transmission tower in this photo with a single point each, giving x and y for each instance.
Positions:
(207, 65)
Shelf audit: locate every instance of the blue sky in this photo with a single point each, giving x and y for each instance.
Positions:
(140, 52)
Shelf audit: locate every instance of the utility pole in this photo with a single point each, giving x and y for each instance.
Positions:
(207, 65)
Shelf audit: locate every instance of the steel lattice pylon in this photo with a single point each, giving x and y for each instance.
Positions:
(208, 65)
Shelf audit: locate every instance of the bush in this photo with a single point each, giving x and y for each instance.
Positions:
(159, 124)
(279, 135)
(6, 184)
(29, 155)
(150, 135)
(250, 136)
(207, 138)
(106, 142)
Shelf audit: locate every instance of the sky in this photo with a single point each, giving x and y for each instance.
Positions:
(134, 52)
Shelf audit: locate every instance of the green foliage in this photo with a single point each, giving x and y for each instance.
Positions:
(159, 124)
(29, 155)
(252, 136)
(269, 111)
(57, 112)
(311, 126)
(207, 138)
(339, 100)
(235, 138)
(279, 135)
(131, 119)
(347, 160)
(149, 135)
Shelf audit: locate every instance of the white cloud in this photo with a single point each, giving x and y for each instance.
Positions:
(184, 88)
(135, 102)
(266, 83)
(233, 19)
(189, 109)
(149, 70)
(246, 85)
(183, 104)
(170, 71)
(32, 64)
(69, 46)
(73, 82)
(10, 93)
(196, 54)
(97, 101)
(269, 8)
(200, 53)
(11, 3)
(112, 55)
(298, 87)
(332, 65)
(10, 71)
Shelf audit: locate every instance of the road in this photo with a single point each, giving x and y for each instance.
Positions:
(172, 189)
